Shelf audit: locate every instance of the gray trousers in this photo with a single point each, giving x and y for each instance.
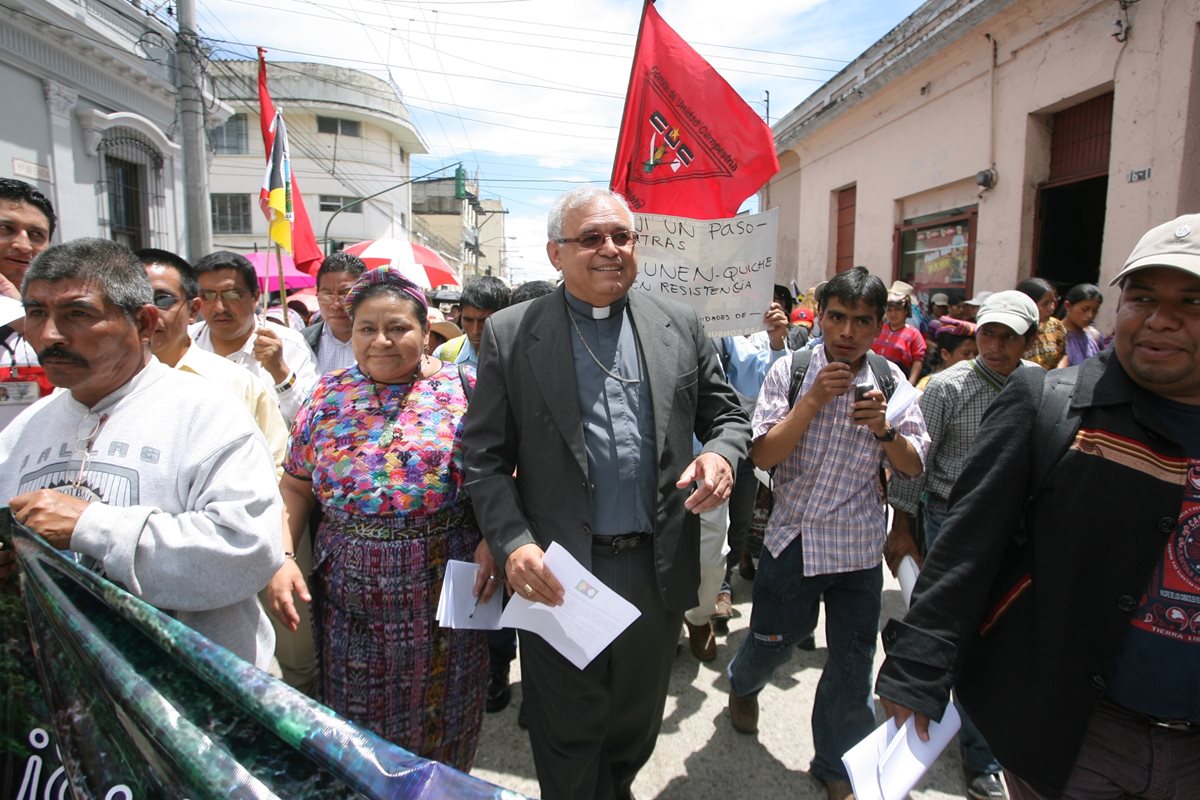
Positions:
(1124, 756)
(591, 730)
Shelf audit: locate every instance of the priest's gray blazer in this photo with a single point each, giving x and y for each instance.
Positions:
(524, 418)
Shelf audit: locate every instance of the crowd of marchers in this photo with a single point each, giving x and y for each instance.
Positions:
(292, 485)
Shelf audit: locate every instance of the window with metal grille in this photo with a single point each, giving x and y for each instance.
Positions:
(125, 205)
(131, 204)
(338, 126)
(230, 213)
(334, 202)
(230, 139)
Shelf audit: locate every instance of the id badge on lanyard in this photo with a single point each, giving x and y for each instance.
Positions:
(20, 384)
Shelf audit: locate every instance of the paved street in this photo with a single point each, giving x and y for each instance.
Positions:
(699, 755)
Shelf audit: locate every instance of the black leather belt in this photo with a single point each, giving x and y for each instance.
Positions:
(1167, 724)
(621, 542)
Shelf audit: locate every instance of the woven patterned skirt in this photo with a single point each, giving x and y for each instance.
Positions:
(383, 660)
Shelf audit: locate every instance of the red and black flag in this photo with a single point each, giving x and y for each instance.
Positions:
(689, 145)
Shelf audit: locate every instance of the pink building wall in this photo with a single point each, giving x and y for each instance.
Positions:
(916, 122)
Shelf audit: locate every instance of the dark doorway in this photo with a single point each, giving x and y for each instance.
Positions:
(1069, 229)
(1071, 232)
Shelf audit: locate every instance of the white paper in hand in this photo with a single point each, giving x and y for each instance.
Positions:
(591, 616)
(887, 764)
(904, 396)
(907, 574)
(456, 605)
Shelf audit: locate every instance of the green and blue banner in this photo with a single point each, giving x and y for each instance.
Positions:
(106, 697)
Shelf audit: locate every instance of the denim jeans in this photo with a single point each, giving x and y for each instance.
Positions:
(785, 611)
(976, 755)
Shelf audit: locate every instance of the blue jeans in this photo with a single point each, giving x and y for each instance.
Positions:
(785, 611)
(976, 755)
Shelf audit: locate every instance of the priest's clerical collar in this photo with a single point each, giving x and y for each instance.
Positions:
(595, 312)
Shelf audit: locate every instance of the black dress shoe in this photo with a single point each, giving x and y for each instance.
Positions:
(499, 693)
(985, 786)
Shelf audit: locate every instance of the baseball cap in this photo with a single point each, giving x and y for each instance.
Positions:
(802, 316)
(1010, 308)
(440, 325)
(939, 299)
(1172, 244)
(979, 299)
(899, 291)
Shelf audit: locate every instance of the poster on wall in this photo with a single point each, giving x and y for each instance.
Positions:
(941, 257)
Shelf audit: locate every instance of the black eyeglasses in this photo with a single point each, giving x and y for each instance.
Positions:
(593, 241)
(227, 295)
(165, 300)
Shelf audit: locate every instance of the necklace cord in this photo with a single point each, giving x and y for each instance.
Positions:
(603, 368)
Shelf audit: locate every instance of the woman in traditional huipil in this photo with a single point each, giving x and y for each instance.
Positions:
(377, 445)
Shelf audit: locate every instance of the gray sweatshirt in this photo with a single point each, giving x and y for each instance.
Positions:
(186, 512)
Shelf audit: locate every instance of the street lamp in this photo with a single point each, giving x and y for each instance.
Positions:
(361, 200)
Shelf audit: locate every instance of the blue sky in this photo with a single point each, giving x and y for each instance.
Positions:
(528, 93)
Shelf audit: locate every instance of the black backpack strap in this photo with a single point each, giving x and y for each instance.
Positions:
(883, 374)
(800, 362)
(1055, 426)
(467, 386)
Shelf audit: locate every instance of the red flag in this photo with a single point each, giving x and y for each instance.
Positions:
(689, 145)
(307, 254)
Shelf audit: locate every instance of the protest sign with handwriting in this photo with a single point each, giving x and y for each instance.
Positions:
(723, 268)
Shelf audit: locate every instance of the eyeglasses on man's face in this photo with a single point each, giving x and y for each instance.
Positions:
(327, 296)
(226, 295)
(165, 301)
(595, 240)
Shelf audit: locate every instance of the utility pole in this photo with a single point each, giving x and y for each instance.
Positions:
(189, 82)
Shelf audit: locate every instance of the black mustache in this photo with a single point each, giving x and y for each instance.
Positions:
(60, 354)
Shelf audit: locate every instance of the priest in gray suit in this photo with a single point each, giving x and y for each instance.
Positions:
(580, 431)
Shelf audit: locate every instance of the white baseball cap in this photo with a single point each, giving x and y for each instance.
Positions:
(1172, 244)
(1010, 308)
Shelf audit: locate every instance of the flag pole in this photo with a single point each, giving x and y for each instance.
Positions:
(612, 181)
(282, 285)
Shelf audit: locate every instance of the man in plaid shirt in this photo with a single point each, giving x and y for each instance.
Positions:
(826, 533)
(953, 405)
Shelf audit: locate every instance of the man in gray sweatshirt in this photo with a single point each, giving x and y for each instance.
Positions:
(149, 474)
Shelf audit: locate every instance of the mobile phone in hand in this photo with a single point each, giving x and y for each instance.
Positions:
(860, 391)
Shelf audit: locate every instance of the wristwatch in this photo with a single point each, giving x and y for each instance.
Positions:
(890, 436)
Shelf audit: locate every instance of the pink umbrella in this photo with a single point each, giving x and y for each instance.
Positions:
(265, 266)
(419, 264)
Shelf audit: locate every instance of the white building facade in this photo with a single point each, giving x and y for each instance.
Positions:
(90, 119)
(350, 137)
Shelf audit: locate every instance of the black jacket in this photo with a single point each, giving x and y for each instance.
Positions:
(524, 417)
(312, 335)
(1027, 594)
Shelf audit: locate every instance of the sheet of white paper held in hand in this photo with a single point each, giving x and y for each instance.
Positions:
(591, 616)
(888, 763)
(904, 396)
(457, 605)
